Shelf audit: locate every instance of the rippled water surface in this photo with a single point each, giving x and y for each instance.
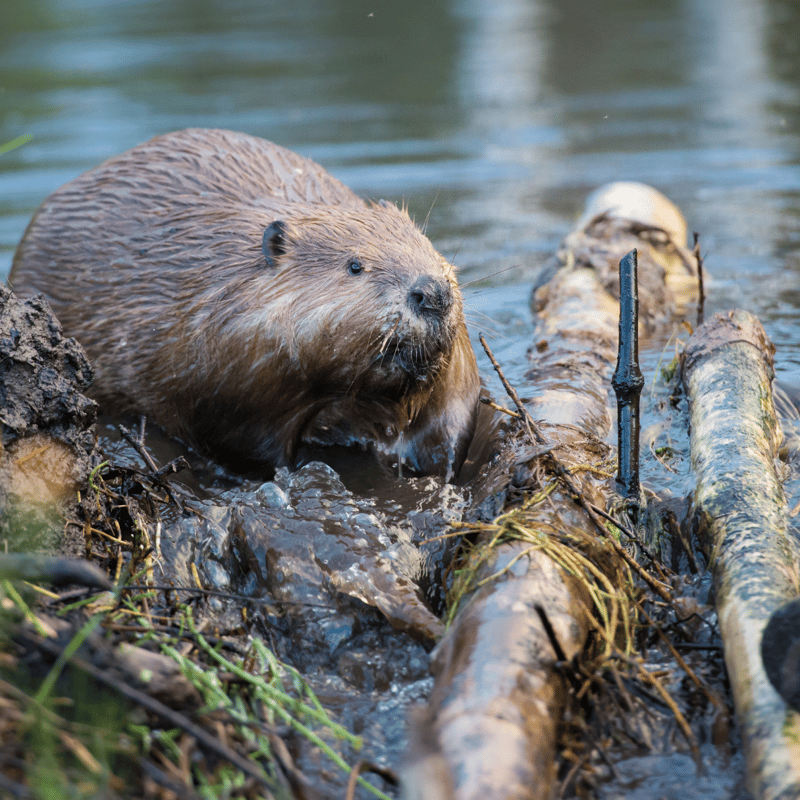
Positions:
(491, 120)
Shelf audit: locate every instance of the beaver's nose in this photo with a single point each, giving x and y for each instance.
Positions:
(429, 295)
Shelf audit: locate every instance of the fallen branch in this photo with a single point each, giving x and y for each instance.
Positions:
(741, 511)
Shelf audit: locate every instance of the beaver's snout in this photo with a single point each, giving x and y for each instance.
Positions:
(429, 295)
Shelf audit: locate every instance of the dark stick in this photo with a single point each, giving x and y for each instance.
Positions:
(563, 474)
(628, 380)
(701, 300)
(54, 570)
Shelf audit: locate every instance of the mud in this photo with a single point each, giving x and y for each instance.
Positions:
(48, 438)
(322, 555)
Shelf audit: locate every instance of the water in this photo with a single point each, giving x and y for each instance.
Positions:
(491, 120)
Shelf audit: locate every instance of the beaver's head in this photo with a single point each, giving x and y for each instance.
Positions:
(364, 296)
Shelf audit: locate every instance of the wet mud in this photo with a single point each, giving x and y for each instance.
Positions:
(309, 544)
(47, 444)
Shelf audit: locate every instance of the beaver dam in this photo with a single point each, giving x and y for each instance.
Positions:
(521, 634)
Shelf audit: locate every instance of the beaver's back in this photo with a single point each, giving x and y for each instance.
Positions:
(162, 198)
(172, 223)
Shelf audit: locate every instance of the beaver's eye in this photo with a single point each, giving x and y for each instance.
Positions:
(354, 267)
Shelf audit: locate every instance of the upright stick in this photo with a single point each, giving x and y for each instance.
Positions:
(627, 380)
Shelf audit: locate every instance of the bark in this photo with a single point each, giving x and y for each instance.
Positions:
(741, 510)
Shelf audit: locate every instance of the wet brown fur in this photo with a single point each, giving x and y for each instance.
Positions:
(154, 262)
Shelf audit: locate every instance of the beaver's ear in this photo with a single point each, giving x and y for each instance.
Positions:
(273, 243)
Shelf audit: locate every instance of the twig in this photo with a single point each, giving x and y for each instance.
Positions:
(604, 755)
(176, 465)
(166, 782)
(677, 656)
(355, 773)
(676, 712)
(661, 460)
(573, 772)
(136, 441)
(366, 766)
(655, 585)
(701, 300)
(158, 475)
(489, 402)
(627, 531)
(297, 782)
(530, 425)
(141, 587)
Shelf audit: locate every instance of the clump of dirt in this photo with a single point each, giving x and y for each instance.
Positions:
(47, 438)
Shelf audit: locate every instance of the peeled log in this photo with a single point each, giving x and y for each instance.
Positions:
(496, 690)
(490, 728)
(741, 509)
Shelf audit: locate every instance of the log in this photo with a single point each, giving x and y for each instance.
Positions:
(741, 512)
(490, 728)
(497, 696)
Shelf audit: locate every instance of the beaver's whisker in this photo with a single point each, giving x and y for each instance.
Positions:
(480, 324)
(473, 313)
(388, 336)
(424, 227)
(487, 277)
(494, 336)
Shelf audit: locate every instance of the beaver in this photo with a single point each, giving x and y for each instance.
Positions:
(251, 304)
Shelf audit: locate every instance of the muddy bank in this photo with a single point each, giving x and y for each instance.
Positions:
(48, 447)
